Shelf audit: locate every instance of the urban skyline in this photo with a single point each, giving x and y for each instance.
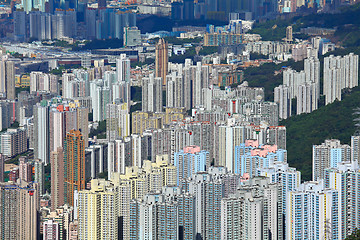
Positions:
(149, 119)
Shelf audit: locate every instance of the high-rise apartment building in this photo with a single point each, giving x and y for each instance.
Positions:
(123, 68)
(52, 26)
(312, 73)
(39, 175)
(43, 82)
(312, 212)
(121, 91)
(229, 138)
(161, 60)
(52, 123)
(340, 73)
(252, 212)
(199, 76)
(307, 98)
(62, 217)
(328, 155)
(25, 169)
(20, 22)
(2, 167)
(10, 80)
(41, 132)
(287, 177)
(169, 141)
(6, 114)
(132, 37)
(186, 216)
(189, 161)
(74, 164)
(250, 157)
(51, 230)
(303, 85)
(19, 210)
(283, 99)
(142, 121)
(155, 217)
(355, 149)
(98, 211)
(152, 94)
(214, 192)
(293, 80)
(7, 78)
(345, 178)
(289, 34)
(175, 91)
(13, 142)
(101, 96)
(117, 121)
(332, 84)
(119, 155)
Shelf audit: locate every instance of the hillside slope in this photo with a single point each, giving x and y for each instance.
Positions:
(334, 121)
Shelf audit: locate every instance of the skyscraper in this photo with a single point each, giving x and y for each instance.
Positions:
(289, 34)
(186, 215)
(312, 73)
(312, 212)
(19, 25)
(117, 121)
(41, 132)
(345, 178)
(283, 99)
(132, 37)
(39, 176)
(214, 192)
(98, 211)
(161, 60)
(51, 230)
(10, 80)
(340, 73)
(25, 169)
(2, 165)
(13, 142)
(7, 78)
(188, 10)
(152, 94)
(355, 149)
(189, 161)
(252, 212)
(123, 68)
(57, 178)
(18, 213)
(328, 155)
(74, 164)
(176, 89)
(155, 217)
(307, 98)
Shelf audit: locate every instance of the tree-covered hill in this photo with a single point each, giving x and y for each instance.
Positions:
(334, 121)
(346, 21)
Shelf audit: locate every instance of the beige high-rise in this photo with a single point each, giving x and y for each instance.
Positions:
(161, 59)
(18, 214)
(57, 178)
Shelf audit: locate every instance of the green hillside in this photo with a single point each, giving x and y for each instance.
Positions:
(346, 22)
(334, 121)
